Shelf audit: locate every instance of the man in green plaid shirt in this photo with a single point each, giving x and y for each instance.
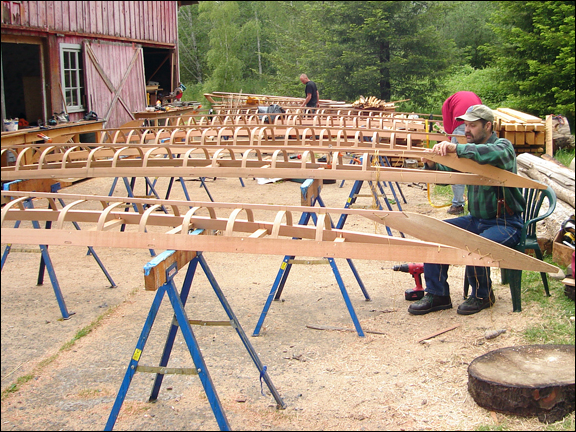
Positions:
(495, 213)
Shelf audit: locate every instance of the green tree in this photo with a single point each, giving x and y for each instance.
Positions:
(536, 54)
(288, 33)
(467, 23)
(387, 49)
(225, 67)
(193, 44)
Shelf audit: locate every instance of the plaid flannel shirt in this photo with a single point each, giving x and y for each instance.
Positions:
(483, 200)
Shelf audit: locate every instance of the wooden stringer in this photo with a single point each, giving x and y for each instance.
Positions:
(442, 244)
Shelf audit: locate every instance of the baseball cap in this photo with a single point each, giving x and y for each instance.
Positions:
(477, 112)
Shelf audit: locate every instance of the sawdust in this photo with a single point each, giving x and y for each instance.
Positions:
(329, 379)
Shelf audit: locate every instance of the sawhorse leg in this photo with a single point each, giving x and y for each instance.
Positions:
(194, 349)
(55, 285)
(354, 192)
(45, 263)
(130, 190)
(203, 184)
(286, 266)
(397, 185)
(181, 321)
(92, 252)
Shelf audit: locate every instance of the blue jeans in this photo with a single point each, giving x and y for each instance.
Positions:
(502, 230)
(458, 189)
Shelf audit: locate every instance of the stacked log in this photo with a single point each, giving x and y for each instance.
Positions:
(526, 132)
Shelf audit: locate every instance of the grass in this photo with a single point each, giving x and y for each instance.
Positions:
(564, 156)
(557, 327)
(441, 196)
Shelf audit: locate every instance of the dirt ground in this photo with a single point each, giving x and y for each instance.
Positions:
(329, 379)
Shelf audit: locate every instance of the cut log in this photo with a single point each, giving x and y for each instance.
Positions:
(530, 380)
(559, 178)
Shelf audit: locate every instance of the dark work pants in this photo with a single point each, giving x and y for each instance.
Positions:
(502, 230)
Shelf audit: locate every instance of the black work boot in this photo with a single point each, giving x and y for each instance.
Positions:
(455, 209)
(430, 303)
(474, 305)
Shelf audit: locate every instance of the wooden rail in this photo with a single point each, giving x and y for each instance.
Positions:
(198, 161)
(302, 134)
(146, 228)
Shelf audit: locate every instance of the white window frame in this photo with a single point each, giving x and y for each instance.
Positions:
(73, 88)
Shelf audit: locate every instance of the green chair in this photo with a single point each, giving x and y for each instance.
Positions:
(534, 199)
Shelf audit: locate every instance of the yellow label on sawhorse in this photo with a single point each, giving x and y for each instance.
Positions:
(137, 354)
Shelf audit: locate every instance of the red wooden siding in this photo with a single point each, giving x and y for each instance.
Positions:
(114, 81)
(154, 21)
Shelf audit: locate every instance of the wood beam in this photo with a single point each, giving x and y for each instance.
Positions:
(177, 161)
(444, 242)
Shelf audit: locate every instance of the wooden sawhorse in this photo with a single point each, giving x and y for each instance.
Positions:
(159, 274)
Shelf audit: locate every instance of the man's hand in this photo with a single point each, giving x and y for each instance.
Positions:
(442, 149)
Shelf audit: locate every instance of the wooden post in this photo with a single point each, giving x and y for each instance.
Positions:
(549, 136)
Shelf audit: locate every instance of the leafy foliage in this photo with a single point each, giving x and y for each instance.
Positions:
(536, 55)
(514, 54)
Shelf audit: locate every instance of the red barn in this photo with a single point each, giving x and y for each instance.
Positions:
(81, 56)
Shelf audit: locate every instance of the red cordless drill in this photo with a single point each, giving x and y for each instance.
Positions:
(415, 270)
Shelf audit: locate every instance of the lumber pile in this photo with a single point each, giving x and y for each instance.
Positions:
(526, 132)
(373, 103)
(244, 102)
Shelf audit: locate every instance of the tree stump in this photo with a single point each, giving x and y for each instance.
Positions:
(529, 380)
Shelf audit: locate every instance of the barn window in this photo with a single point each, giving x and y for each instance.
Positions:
(72, 76)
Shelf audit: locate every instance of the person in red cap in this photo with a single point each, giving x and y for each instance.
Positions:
(456, 105)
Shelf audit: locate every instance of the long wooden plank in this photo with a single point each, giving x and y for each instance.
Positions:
(30, 135)
(130, 240)
(526, 118)
(468, 165)
(473, 249)
(155, 164)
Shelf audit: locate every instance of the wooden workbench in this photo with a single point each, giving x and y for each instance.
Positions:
(153, 116)
(72, 129)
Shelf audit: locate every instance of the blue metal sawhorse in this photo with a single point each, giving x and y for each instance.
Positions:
(384, 161)
(170, 263)
(46, 264)
(311, 199)
(150, 186)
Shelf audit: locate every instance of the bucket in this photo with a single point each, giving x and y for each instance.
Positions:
(11, 125)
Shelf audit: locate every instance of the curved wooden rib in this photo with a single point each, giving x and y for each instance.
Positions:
(64, 212)
(21, 157)
(186, 222)
(278, 220)
(16, 202)
(117, 156)
(103, 218)
(324, 224)
(145, 216)
(232, 219)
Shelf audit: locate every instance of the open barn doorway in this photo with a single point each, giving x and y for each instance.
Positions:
(23, 94)
(160, 73)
